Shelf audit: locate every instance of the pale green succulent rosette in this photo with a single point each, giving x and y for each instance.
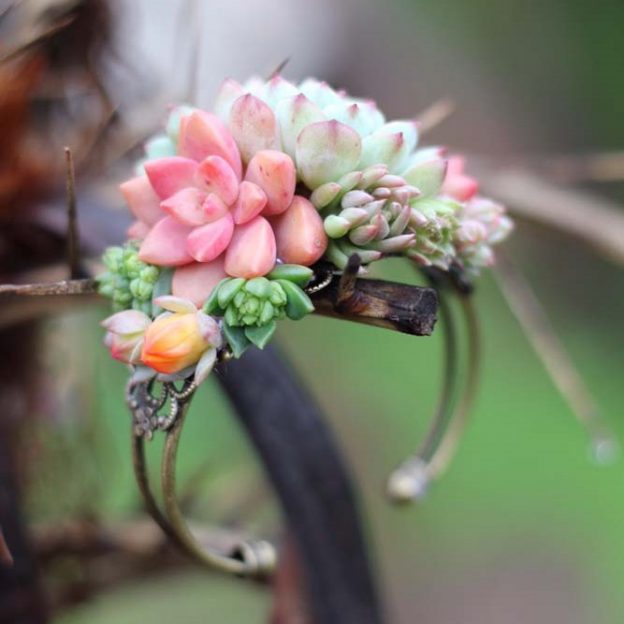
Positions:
(368, 213)
(434, 218)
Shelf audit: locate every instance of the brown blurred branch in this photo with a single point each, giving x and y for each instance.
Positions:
(434, 115)
(401, 307)
(597, 167)
(73, 242)
(6, 558)
(540, 333)
(593, 220)
(108, 555)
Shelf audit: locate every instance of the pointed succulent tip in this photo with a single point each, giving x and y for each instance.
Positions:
(252, 251)
(250, 203)
(205, 365)
(274, 172)
(294, 114)
(170, 175)
(325, 194)
(215, 175)
(325, 151)
(175, 304)
(207, 242)
(165, 244)
(126, 322)
(299, 233)
(186, 206)
(228, 92)
(253, 126)
(203, 134)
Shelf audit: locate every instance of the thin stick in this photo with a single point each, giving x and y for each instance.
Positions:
(400, 307)
(7, 9)
(280, 68)
(73, 238)
(52, 289)
(6, 559)
(600, 167)
(535, 323)
(35, 41)
(594, 220)
(348, 279)
(435, 114)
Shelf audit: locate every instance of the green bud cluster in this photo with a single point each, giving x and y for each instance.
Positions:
(128, 281)
(250, 307)
(257, 302)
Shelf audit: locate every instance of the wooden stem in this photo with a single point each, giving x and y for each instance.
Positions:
(400, 307)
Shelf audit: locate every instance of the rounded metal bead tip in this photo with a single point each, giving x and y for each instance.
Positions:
(259, 558)
(409, 482)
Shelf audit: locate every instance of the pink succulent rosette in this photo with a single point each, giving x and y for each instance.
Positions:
(210, 216)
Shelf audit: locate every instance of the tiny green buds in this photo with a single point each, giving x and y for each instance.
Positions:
(250, 307)
(128, 281)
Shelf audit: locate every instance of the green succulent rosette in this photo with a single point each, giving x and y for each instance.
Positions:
(250, 308)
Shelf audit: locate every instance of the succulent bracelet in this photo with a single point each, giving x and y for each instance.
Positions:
(243, 215)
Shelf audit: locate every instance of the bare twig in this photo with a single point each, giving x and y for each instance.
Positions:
(73, 239)
(53, 289)
(593, 220)
(346, 284)
(35, 41)
(280, 68)
(6, 558)
(600, 167)
(8, 8)
(401, 307)
(533, 319)
(435, 114)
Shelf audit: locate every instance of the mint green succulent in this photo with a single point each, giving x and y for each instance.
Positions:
(434, 218)
(128, 281)
(434, 222)
(366, 212)
(250, 308)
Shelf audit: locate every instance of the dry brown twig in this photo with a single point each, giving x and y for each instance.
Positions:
(593, 220)
(435, 114)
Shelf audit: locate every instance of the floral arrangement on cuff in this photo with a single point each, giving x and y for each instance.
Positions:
(234, 206)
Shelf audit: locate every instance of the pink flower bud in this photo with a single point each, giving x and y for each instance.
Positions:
(124, 336)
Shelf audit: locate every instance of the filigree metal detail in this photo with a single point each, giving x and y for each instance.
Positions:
(148, 405)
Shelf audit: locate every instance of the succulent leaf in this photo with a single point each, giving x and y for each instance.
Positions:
(300, 275)
(237, 339)
(299, 304)
(260, 336)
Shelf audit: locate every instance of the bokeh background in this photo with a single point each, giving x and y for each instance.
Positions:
(525, 527)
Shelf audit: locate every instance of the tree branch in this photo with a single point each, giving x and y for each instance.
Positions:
(400, 307)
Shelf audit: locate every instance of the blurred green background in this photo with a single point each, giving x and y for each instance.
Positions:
(524, 527)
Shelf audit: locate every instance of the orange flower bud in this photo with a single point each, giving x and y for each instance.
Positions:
(178, 340)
